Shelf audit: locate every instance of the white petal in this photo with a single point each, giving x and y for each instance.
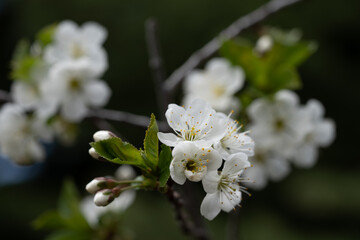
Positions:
(214, 158)
(210, 206)
(325, 132)
(195, 176)
(168, 139)
(97, 93)
(278, 168)
(66, 31)
(94, 32)
(236, 163)
(306, 156)
(211, 182)
(174, 116)
(258, 175)
(177, 171)
(74, 109)
(315, 108)
(229, 201)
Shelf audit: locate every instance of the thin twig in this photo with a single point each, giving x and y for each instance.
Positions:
(156, 63)
(130, 118)
(233, 30)
(187, 226)
(5, 96)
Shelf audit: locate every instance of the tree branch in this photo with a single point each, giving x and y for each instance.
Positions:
(231, 31)
(187, 226)
(130, 118)
(156, 62)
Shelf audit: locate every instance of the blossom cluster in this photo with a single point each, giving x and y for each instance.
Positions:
(61, 84)
(286, 132)
(203, 139)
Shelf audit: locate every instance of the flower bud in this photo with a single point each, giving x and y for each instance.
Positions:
(93, 186)
(93, 153)
(264, 44)
(103, 135)
(104, 197)
(125, 172)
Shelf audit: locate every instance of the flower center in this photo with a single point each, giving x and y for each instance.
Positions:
(74, 84)
(279, 125)
(77, 51)
(219, 91)
(191, 165)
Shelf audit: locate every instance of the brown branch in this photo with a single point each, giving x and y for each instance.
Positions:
(187, 226)
(125, 117)
(231, 31)
(156, 63)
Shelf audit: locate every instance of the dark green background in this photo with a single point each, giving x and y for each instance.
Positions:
(320, 203)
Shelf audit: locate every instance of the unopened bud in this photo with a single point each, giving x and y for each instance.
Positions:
(103, 135)
(93, 186)
(264, 44)
(93, 153)
(125, 172)
(104, 197)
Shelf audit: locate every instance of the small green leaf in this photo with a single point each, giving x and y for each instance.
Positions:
(151, 143)
(45, 35)
(23, 68)
(69, 210)
(164, 165)
(49, 220)
(119, 152)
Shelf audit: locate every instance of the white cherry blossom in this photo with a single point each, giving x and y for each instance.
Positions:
(224, 190)
(233, 141)
(21, 135)
(71, 42)
(198, 123)
(193, 163)
(217, 84)
(267, 165)
(321, 133)
(277, 123)
(74, 87)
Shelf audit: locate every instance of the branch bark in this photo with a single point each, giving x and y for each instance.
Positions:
(214, 45)
(156, 63)
(125, 117)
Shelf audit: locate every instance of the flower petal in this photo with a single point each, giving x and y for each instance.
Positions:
(211, 181)
(97, 93)
(169, 139)
(177, 171)
(210, 206)
(236, 163)
(94, 32)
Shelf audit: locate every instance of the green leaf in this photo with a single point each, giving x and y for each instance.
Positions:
(151, 143)
(49, 220)
(22, 68)
(69, 210)
(164, 165)
(273, 71)
(45, 35)
(119, 152)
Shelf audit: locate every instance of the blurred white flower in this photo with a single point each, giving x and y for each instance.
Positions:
(73, 86)
(233, 141)
(267, 165)
(198, 123)
(321, 133)
(224, 190)
(71, 42)
(217, 84)
(277, 123)
(193, 163)
(21, 135)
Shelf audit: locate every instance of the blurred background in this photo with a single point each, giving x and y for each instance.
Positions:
(318, 203)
